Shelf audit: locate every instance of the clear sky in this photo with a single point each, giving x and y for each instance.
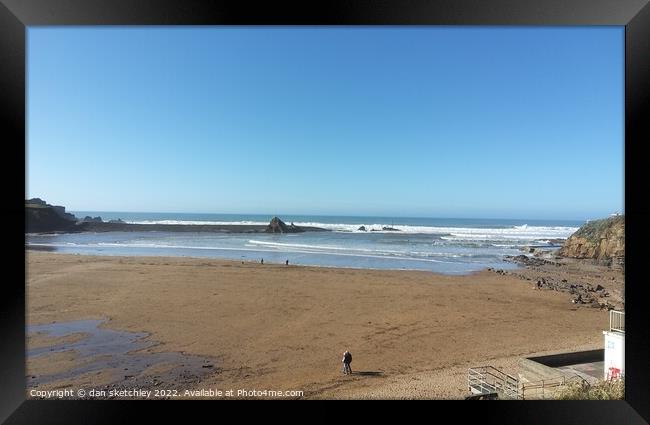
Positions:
(429, 121)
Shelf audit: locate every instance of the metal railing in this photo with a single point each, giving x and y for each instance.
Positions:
(617, 321)
(488, 379)
(548, 388)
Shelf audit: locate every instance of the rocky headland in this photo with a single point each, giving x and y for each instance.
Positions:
(43, 217)
(589, 266)
(602, 241)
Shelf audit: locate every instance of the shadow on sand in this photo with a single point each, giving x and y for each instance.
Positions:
(368, 373)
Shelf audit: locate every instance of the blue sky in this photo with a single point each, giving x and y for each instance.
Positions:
(424, 121)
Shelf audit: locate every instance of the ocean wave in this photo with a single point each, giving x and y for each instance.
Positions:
(315, 247)
(516, 232)
(297, 250)
(365, 252)
(328, 249)
(523, 232)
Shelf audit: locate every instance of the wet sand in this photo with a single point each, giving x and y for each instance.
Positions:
(412, 334)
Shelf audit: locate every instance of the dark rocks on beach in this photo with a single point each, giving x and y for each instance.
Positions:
(389, 229)
(586, 300)
(590, 292)
(607, 306)
(582, 293)
(595, 304)
(498, 271)
(529, 261)
(362, 228)
(119, 220)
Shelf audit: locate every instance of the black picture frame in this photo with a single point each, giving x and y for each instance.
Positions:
(16, 15)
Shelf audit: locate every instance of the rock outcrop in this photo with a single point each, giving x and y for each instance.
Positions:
(600, 240)
(61, 212)
(36, 201)
(278, 226)
(389, 229)
(97, 219)
(43, 217)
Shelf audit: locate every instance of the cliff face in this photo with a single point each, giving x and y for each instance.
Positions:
(42, 217)
(600, 240)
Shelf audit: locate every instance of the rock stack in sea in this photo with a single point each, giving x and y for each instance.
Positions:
(278, 226)
(600, 240)
(389, 229)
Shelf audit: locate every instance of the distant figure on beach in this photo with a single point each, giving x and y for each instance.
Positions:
(347, 359)
(262, 261)
(287, 262)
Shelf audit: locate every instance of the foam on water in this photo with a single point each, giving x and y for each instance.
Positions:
(523, 232)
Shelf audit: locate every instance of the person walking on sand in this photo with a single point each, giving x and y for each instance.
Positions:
(287, 263)
(347, 359)
(262, 262)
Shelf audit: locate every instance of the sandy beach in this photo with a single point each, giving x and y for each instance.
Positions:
(274, 327)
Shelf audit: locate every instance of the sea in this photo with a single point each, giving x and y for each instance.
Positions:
(442, 245)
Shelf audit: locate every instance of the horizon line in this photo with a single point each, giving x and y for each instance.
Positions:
(342, 215)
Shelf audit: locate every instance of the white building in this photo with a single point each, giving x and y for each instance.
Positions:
(614, 366)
